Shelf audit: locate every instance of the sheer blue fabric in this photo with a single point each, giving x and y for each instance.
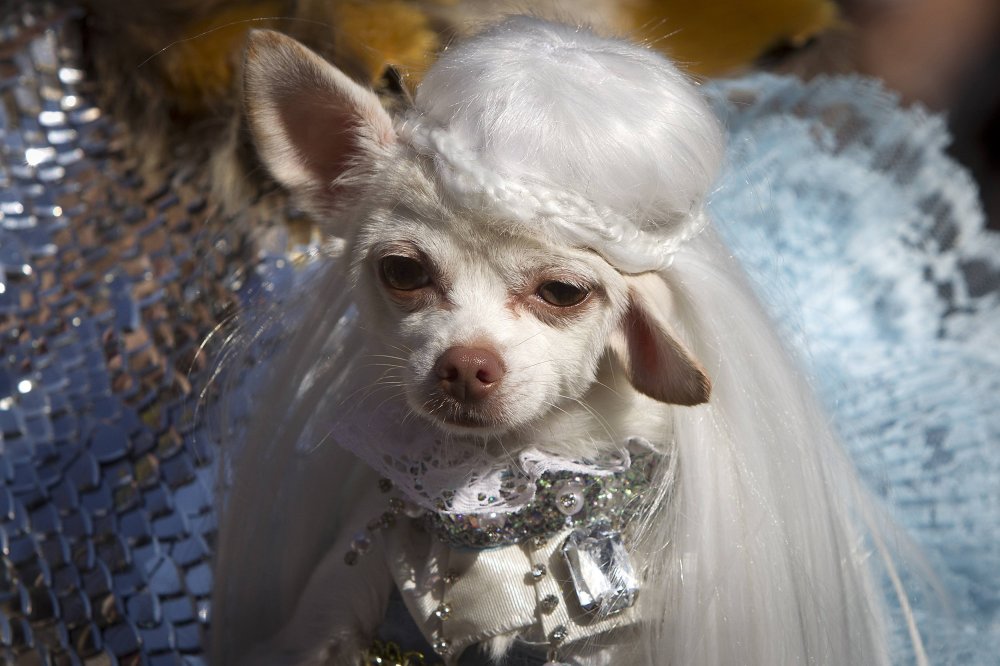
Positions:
(868, 244)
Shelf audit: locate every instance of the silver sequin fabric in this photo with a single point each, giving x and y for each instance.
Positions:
(111, 279)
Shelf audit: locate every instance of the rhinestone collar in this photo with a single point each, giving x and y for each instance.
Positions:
(592, 508)
(563, 499)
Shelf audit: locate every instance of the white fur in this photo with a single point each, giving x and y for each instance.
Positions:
(754, 531)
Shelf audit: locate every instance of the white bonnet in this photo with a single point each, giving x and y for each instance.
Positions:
(600, 142)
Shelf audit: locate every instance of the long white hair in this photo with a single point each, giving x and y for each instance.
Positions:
(761, 548)
(758, 536)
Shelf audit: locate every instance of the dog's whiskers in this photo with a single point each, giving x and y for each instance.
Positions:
(403, 349)
(613, 390)
(390, 356)
(601, 421)
(388, 398)
(379, 389)
(384, 381)
(386, 365)
(322, 440)
(381, 381)
(530, 337)
(548, 360)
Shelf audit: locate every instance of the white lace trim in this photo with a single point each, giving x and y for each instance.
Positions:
(454, 477)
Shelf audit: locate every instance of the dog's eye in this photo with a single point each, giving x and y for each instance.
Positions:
(561, 294)
(403, 273)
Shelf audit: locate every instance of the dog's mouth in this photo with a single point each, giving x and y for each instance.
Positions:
(478, 418)
(454, 414)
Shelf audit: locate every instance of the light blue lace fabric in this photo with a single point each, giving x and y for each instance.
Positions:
(868, 244)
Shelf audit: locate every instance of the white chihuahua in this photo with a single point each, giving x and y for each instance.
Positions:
(519, 345)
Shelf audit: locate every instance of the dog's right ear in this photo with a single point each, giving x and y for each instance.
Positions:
(309, 120)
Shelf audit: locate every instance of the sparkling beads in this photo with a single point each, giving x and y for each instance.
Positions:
(562, 499)
(442, 646)
(548, 603)
(443, 611)
(537, 572)
(362, 542)
(556, 638)
(570, 499)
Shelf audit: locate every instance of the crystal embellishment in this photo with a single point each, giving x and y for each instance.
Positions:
(601, 570)
(562, 499)
(443, 611)
(442, 646)
(570, 498)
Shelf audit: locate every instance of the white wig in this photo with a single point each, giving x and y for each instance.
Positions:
(762, 557)
(598, 142)
(757, 545)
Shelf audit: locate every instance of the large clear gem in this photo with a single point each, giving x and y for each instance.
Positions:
(602, 573)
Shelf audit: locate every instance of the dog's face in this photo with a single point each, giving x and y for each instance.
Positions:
(486, 326)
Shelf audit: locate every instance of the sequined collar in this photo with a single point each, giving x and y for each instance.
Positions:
(563, 499)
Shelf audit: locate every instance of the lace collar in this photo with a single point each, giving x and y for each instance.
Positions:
(561, 499)
(456, 478)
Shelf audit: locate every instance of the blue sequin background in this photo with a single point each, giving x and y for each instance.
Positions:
(110, 286)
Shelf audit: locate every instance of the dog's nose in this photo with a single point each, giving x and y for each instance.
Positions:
(469, 374)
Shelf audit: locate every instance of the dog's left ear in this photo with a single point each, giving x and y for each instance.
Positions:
(656, 362)
(310, 121)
